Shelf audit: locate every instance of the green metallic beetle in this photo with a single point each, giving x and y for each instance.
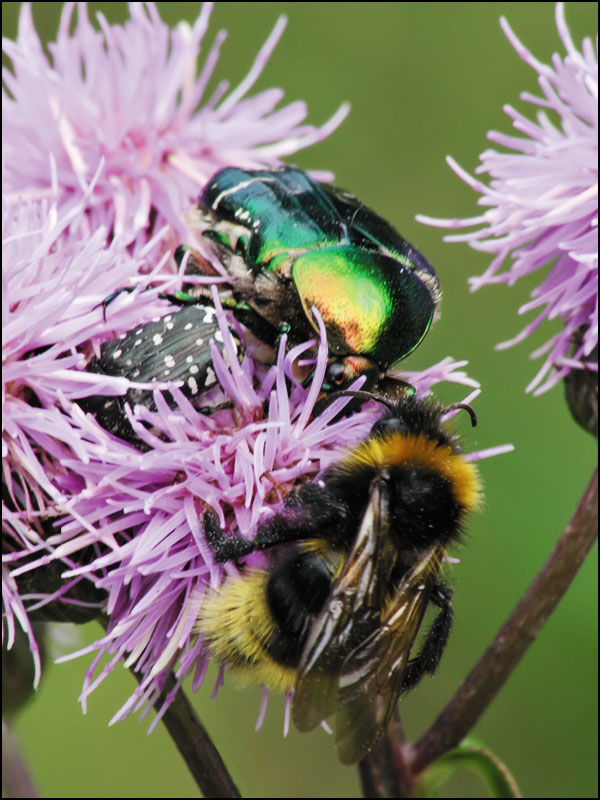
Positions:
(290, 244)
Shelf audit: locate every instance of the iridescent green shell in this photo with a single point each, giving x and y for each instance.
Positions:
(292, 244)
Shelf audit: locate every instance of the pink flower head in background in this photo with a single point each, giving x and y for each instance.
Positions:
(124, 108)
(542, 202)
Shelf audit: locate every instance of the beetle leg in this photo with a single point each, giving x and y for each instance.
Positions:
(256, 324)
(196, 263)
(112, 296)
(284, 328)
(394, 389)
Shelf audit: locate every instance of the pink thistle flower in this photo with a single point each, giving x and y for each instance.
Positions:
(124, 101)
(542, 201)
(55, 276)
(123, 521)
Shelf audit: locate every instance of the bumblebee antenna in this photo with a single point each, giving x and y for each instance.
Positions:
(360, 395)
(464, 407)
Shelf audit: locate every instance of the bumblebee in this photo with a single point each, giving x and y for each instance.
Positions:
(354, 563)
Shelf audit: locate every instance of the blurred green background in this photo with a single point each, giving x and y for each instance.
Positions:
(425, 80)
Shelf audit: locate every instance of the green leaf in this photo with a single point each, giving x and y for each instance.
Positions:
(471, 754)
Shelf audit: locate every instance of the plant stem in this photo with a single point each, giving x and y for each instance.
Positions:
(16, 778)
(195, 745)
(192, 740)
(519, 631)
(384, 772)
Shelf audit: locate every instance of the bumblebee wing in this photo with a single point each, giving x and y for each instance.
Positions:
(371, 677)
(351, 613)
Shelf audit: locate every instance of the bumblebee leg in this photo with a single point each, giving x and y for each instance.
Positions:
(224, 547)
(313, 512)
(435, 642)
